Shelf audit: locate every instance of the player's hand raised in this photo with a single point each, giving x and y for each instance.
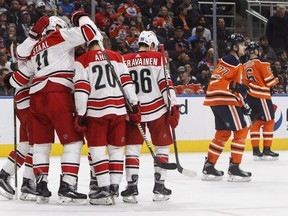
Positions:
(38, 28)
(76, 15)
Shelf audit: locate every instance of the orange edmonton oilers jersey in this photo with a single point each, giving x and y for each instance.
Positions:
(259, 77)
(218, 93)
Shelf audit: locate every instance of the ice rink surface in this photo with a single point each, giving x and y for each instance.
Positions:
(266, 194)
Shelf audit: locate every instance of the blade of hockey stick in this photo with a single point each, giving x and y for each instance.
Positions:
(168, 166)
(186, 172)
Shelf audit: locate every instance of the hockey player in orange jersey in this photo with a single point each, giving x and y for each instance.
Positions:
(259, 77)
(225, 96)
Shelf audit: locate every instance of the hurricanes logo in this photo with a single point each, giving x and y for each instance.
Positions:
(65, 136)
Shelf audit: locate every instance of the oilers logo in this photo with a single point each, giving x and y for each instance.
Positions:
(278, 117)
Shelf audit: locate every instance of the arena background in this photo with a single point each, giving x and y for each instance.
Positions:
(195, 130)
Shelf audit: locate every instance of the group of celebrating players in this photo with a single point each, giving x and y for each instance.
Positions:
(108, 99)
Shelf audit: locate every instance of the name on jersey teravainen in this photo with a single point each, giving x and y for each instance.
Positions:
(40, 47)
(141, 61)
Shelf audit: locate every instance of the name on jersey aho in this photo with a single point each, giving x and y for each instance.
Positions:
(40, 47)
(140, 61)
(99, 57)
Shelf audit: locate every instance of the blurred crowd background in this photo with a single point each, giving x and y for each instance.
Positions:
(183, 27)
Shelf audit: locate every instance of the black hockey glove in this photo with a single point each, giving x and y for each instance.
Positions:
(80, 123)
(240, 88)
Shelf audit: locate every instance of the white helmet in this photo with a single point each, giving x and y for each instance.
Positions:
(148, 38)
(55, 21)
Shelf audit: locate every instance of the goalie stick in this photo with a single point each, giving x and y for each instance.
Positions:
(186, 172)
(168, 166)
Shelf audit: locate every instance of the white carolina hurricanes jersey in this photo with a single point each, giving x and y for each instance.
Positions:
(147, 72)
(95, 87)
(52, 58)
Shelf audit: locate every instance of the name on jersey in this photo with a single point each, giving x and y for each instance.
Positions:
(40, 47)
(99, 57)
(142, 61)
(249, 64)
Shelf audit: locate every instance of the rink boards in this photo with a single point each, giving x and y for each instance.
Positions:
(195, 130)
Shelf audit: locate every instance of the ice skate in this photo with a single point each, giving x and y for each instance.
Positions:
(6, 189)
(257, 155)
(131, 191)
(42, 191)
(210, 173)
(101, 197)
(161, 193)
(114, 190)
(68, 195)
(93, 185)
(28, 190)
(269, 155)
(236, 174)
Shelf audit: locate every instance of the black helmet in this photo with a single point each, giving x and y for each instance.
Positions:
(252, 46)
(235, 38)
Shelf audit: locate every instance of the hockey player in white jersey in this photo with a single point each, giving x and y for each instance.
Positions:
(101, 110)
(24, 151)
(147, 72)
(52, 104)
(25, 146)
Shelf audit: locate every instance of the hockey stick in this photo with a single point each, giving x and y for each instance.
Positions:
(15, 131)
(15, 149)
(168, 166)
(186, 172)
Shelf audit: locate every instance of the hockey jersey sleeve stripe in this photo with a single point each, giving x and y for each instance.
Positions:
(162, 84)
(19, 78)
(88, 32)
(83, 86)
(126, 79)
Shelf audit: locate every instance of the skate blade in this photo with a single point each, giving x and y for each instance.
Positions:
(130, 199)
(102, 201)
(234, 178)
(160, 197)
(269, 158)
(6, 194)
(207, 177)
(27, 197)
(113, 197)
(42, 200)
(256, 158)
(69, 201)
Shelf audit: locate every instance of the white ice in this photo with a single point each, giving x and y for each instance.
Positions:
(265, 195)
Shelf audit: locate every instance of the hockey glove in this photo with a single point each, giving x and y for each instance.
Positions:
(37, 29)
(174, 116)
(135, 114)
(246, 109)
(80, 123)
(6, 80)
(76, 15)
(240, 88)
